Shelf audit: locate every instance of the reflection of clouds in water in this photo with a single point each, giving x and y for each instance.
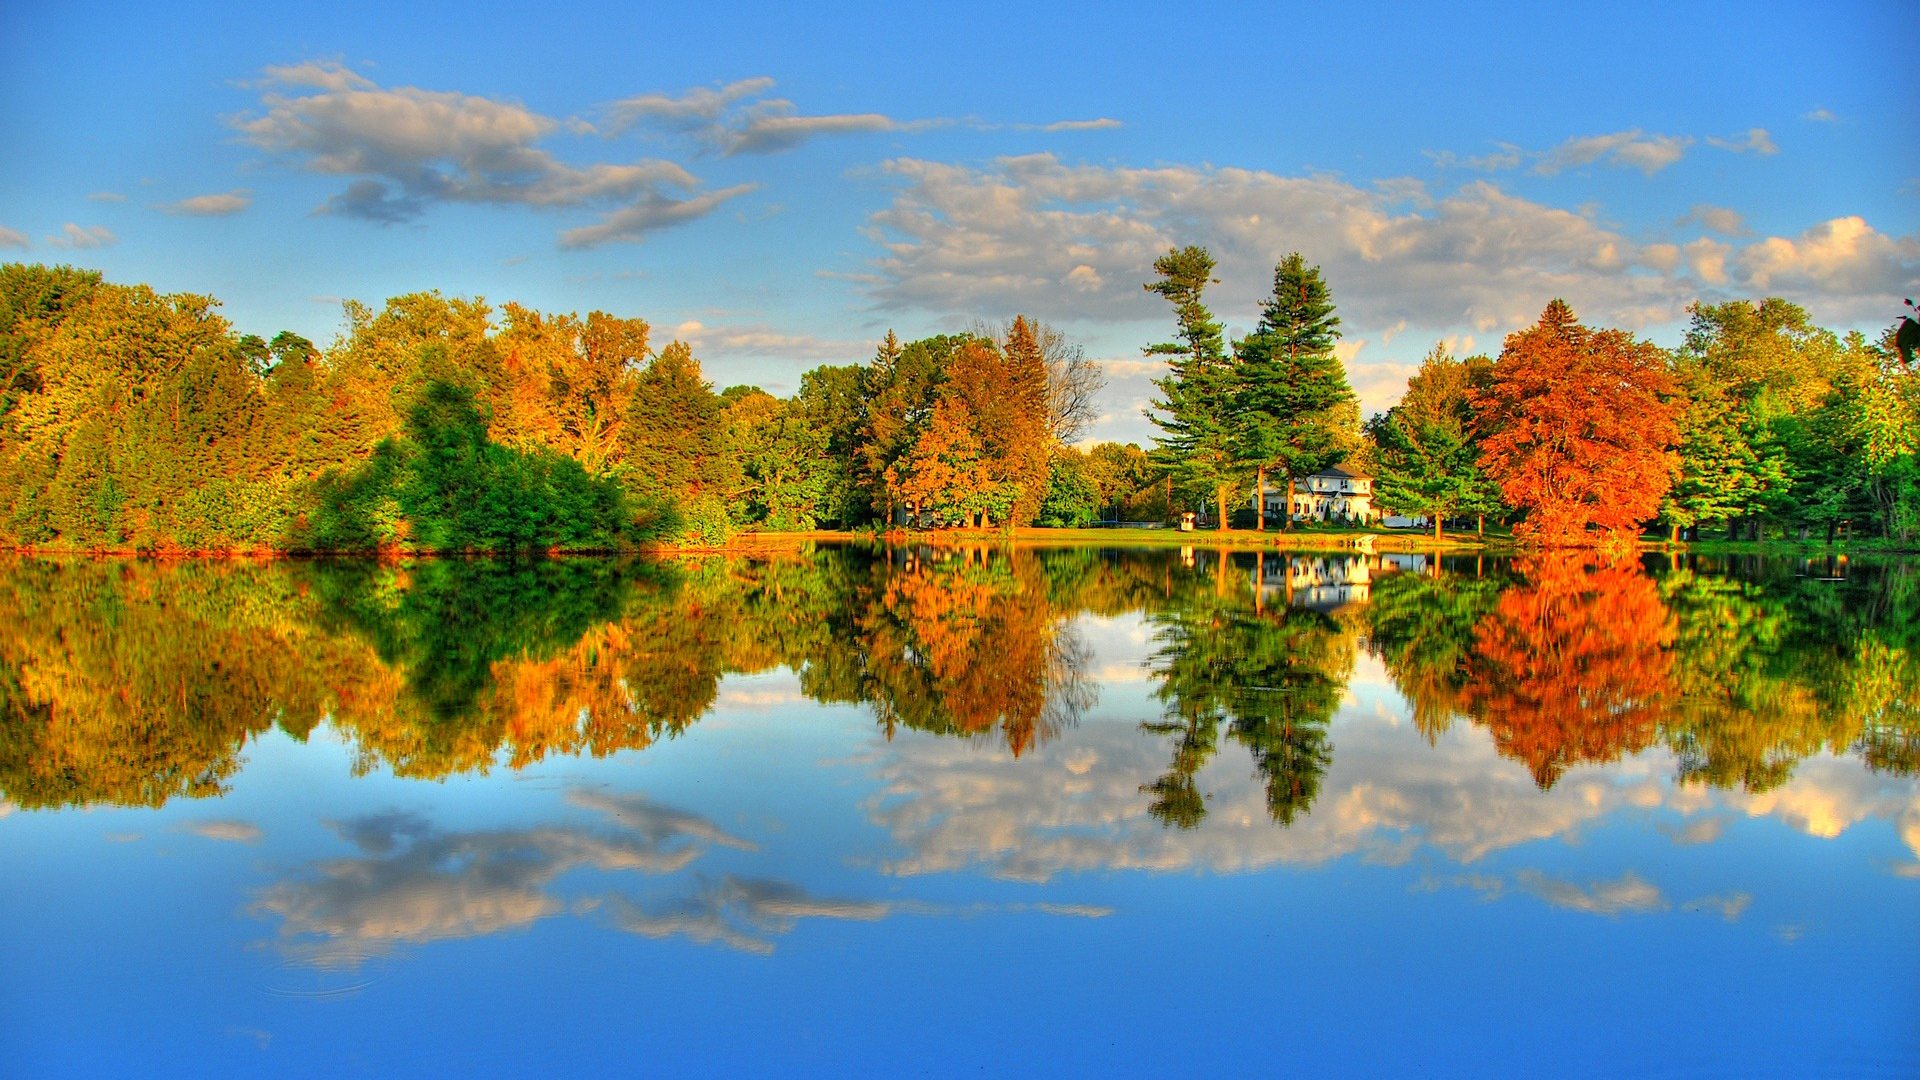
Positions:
(659, 824)
(1626, 895)
(1829, 795)
(739, 912)
(415, 884)
(239, 832)
(1077, 806)
(1699, 831)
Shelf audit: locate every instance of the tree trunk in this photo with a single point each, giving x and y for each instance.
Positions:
(1673, 532)
(1480, 525)
(1260, 499)
(1260, 577)
(1286, 514)
(1436, 526)
(1220, 493)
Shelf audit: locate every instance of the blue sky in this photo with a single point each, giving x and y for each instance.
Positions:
(780, 185)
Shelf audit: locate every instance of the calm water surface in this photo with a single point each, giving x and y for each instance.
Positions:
(961, 812)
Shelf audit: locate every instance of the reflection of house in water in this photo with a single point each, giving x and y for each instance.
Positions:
(1328, 582)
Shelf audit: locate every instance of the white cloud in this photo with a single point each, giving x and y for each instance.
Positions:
(13, 238)
(1629, 149)
(76, 237)
(1844, 259)
(772, 134)
(106, 196)
(1074, 243)
(407, 148)
(631, 224)
(1755, 141)
(1104, 123)
(1707, 258)
(1508, 156)
(694, 109)
(1718, 219)
(737, 119)
(1822, 116)
(215, 205)
(722, 342)
(1035, 235)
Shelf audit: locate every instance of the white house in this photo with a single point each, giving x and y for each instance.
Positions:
(1333, 494)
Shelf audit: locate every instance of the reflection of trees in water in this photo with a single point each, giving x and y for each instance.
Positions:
(969, 642)
(1273, 678)
(1741, 677)
(1572, 665)
(136, 682)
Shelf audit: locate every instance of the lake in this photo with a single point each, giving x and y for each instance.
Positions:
(946, 811)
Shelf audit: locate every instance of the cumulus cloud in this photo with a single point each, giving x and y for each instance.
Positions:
(1842, 258)
(76, 237)
(1034, 234)
(405, 149)
(1755, 141)
(1822, 116)
(1627, 149)
(215, 205)
(13, 238)
(1065, 242)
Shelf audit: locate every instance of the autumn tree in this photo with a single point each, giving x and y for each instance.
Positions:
(1581, 429)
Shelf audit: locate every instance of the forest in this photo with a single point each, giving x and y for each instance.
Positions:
(132, 420)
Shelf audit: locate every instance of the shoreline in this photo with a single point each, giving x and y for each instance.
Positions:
(747, 543)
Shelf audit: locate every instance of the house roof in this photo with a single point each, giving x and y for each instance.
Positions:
(1341, 471)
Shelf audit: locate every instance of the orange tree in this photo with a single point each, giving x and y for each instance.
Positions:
(1583, 424)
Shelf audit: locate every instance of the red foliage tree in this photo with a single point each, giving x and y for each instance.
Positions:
(1582, 425)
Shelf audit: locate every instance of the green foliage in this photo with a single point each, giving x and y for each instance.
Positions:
(1288, 384)
(445, 486)
(1196, 409)
(1072, 499)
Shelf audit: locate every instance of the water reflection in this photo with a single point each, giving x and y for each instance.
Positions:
(134, 683)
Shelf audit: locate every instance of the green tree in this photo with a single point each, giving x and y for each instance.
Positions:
(1288, 385)
(1195, 410)
(1426, 457)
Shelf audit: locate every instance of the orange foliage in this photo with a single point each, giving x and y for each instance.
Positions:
(1573, 667)
(1581, 428)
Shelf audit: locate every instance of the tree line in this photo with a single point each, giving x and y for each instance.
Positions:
(1573, 434)
(133, 420)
